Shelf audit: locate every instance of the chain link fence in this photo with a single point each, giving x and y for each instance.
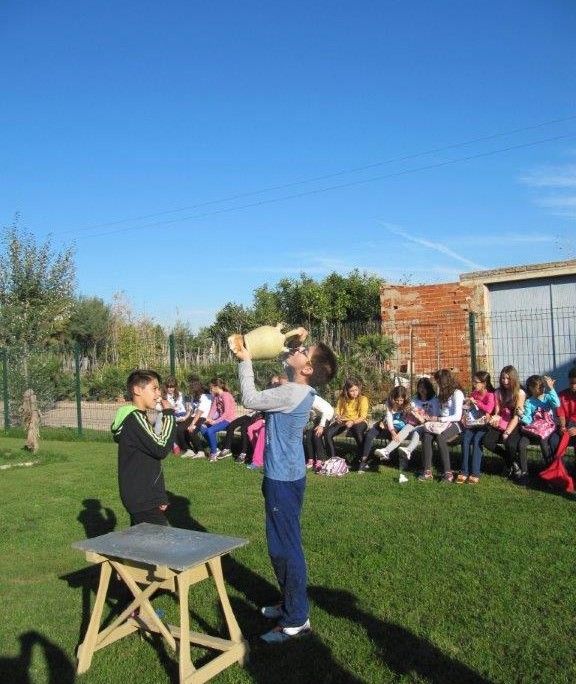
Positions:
(534, 341)
(80, 390)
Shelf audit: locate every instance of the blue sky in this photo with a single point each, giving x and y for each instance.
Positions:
(192, 151)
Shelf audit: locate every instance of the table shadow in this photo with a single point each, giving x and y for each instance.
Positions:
(17, 670)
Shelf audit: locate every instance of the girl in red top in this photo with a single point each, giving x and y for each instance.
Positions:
(567, 415)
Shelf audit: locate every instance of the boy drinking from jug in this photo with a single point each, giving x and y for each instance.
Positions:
(286, 410)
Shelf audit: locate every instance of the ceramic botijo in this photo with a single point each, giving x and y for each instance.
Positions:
(265, 342)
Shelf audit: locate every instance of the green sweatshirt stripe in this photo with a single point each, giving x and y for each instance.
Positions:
(162, 438)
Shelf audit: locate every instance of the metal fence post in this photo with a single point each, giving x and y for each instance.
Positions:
(472, 332)
(78, 388)
(172, 348)
(5, 389)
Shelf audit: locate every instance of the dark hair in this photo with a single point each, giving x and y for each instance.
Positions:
(427, 383)
(140, 378)
(447, 384)
(197, 388)
(484, 378)
(276, 379)
(572, 373)
(218, 382)
(171, 382)
(349, 383)
(535, 385)
(398, 392)
(324, 365)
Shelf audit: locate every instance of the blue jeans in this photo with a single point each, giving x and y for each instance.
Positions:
(472, 450)
(210, 432)
(283, 505)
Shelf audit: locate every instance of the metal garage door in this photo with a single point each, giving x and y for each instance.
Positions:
(533, 326)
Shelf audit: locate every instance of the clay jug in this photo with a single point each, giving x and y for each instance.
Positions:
(265, 342)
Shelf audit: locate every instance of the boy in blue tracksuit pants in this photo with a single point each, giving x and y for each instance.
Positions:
(286, 410)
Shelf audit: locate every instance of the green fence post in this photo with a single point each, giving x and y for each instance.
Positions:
(78, 389)
(5, 389)
(472, 331)
(172, 348)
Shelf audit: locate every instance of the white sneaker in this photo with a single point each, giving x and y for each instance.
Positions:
(402, 478)
(404, 451)
(279, 635)
(188, 454)
(224, 453)
(199, 454)
(382, 454)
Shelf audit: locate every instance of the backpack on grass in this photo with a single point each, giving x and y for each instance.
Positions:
(335, 467)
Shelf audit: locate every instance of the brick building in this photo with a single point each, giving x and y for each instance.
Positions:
(520, 313)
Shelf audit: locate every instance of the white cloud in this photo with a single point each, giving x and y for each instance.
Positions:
(552, 177)
(435, 245)
(560, 183)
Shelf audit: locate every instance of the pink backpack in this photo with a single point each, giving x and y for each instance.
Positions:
(542, 425)
(336, 467)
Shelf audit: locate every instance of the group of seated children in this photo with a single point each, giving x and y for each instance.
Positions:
(505, 421)
(207, 411)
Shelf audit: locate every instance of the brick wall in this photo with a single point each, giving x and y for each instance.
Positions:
(429, 323)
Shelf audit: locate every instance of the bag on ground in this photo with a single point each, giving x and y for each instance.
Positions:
(335, 466)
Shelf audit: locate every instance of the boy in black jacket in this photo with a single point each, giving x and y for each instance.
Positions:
(141, 450)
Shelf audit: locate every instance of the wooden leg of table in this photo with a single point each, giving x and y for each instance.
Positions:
(142, 598)
(233, 628)
(86, 648)
(184, 661)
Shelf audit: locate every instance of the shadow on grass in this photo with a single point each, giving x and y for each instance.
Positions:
(304, 659)
(402, 651)
(16, 670)
(95, 519)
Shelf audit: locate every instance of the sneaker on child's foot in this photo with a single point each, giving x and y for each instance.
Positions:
(280, 635)
(310, 463)
(363, 468)
(447, 478)
(213, 458)
(241, 458)
(426, 476)
(402, 478)
(199, 454)
(404, 451)
(382, 454)
(188, 454)
(224, 453)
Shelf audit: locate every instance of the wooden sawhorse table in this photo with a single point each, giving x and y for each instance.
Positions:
(151, 557)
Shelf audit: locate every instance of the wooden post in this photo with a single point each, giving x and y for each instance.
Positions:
(31, 420)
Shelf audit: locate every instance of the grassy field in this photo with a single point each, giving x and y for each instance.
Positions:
(419, 582)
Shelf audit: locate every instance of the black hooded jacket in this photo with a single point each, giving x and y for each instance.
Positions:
(140, 455)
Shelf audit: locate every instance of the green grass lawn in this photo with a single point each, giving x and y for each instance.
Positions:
(419, 582)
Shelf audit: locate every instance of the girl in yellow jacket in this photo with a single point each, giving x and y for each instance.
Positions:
(351, 416)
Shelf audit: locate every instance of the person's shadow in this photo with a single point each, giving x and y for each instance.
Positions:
(17, 670)
(304, 659)
(96, 519)
(401, 650)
